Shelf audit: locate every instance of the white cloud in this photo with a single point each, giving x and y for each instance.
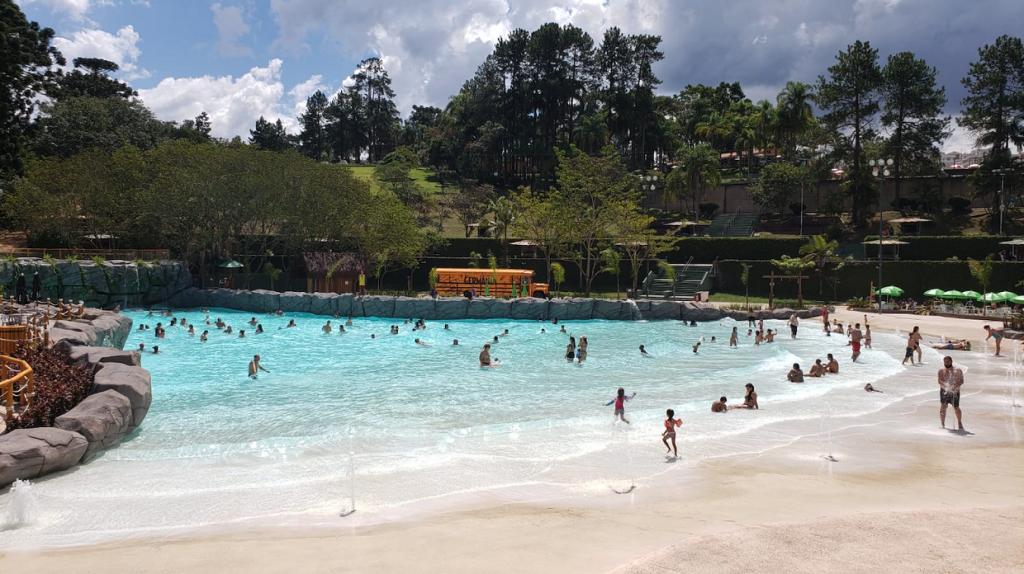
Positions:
(234, 104)
(231, 27)
(75, 9)
(121, 48)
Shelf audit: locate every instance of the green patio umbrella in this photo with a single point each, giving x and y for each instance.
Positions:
(934, 293)
(953, 294)
(1019, 299)
(1007, 295)
(971, 295)
(231, 264)
(487, 289)
(993, 298)
(891, 291)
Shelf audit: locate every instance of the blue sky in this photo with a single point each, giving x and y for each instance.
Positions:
(240, 59)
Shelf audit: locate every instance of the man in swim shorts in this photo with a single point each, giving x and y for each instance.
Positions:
(910, 350)
(833, 365)
(793, 323)
(855, 337)
(950, 380)
(255, 367)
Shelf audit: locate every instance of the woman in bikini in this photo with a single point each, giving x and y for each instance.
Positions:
(749, 400)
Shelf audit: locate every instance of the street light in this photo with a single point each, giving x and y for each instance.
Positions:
(880, 169)
(1002, 180)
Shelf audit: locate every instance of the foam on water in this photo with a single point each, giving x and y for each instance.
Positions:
(424, 422)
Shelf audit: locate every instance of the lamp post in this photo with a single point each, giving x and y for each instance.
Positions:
(880, 168)
(1002, 181)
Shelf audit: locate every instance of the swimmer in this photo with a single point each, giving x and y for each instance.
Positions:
(446, 326)
(644, 352)
(255, 367)
(228, 330)
(156, 349)
(291, 323)
(554, 321)
(570, 352)
(749, 399)
(769, 337)
(373, 336)
(833, 365)
(505, 333)
(241, 334)
(750, 332)
(997, 335)
(855, 337)
(485, 356)
(253, 321)
(916, 335)
(259, 329)
(220, 324)
(349, 322)
(455, 343)
(620, 404)
(795, 375)
(174, 322)
(910, 350)
(867, 336)
(693, 323)
(327, 328)
(670, 431)
(734, 338)
(719, 405)
(871, 389)
(142, 347)
(341, 329)
(563, 329)
(759, 338)
(817, 369)
(421, 343)
(542, 331)
(337, 315)
(202, 338)
(495, 338)
(191, 330)
(141, 327)
(695, 347)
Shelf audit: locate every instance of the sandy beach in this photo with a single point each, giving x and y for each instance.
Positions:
(901, 495)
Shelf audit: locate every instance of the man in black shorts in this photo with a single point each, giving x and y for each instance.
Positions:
(950, 381)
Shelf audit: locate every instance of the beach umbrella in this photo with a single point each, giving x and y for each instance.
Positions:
(972, 295)
(1007, 295)
(1019, 299)
(953, 294)
(993, 298)
(891, 291)
(231, 264)
(934, 293)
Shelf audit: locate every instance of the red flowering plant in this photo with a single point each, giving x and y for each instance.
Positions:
(59, 384)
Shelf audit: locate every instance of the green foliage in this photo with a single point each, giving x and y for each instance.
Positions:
(699, 170)
(91, 78)
(269, 137)
(939, 248)
(557, 275)
(776, 186)
(474, 259)
(98, 260)
(960, 204)
(272, 272)
(611, 261)
(77, 125)
(745, 279)
(492, 262)
(708, 249)
(982, 271)
(707, 209)
(995, 102)
(432, 277)
(667, 271)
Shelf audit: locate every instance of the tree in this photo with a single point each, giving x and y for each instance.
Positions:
(268, 136)
(26, 71)
(594, 191)
(775, 188)
(470, 204)
(541, 220)
(982, 271)
(73, 125)
(505, 214)
(700, 169)
(821, 254)
(793, 266)
(557, 275)
(994, 106)
(850, 98)
(637, 239)
(795, 114)
(313, 137)
(91, 77)
(380, 114)
(912, 111)
(611, 260)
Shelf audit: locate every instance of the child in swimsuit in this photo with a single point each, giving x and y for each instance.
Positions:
(620, 404)
(670, 431)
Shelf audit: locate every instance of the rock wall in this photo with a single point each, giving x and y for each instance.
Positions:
(100, 284)
(453, 308)
(120, 398)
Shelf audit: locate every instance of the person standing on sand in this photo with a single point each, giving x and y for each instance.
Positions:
(670, 432)
(992, 334)
(855, 337)
(950, 381)
(793, 323)
(255, 367)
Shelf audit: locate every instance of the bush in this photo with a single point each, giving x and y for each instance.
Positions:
(960, 204)
(59, 385)
(707, 210)
(834, 232)
(797, 208)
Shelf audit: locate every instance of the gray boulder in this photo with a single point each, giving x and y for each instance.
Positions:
(530, 309)
(323, 303)
(85, 331)
(264, 301)
(612, 310)
(132, 382)
(450, 308)
(571, 309)
(377, 306)
(661, 310)
(294, 302)
(103, 419)
(95, 356)
(28, 453)
(487, 308)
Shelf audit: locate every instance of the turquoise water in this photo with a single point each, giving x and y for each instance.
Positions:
(422, 422)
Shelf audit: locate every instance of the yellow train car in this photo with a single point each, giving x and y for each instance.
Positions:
(500, 283)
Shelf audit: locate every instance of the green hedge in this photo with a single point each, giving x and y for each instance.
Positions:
(940, 248)
(708, 249)
(915, 277)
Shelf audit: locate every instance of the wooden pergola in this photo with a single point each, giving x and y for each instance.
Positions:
(799, 287)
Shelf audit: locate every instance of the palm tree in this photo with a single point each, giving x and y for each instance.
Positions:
(713, 126)
(592, 133)
(765, 118)
(505, 214)
(821, 253)
(745, 130)
(795, 112)
(700, 168)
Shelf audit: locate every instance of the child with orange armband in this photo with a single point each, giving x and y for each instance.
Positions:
(670, 431)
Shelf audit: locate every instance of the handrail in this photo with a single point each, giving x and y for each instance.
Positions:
(7, 387)
(122, 254)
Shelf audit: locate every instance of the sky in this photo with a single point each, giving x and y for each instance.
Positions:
(242, 59)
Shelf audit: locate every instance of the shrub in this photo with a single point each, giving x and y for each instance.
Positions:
(707, 210)
(797, 208)
(59, 385)
(960, 204)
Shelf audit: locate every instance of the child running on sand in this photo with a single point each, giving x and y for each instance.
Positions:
(670, 432)
(620, 404)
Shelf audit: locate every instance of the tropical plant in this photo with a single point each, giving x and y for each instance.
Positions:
(795, 113)
(700, 169)
(982, 271)
(612, 260)
(474, 259)
(273, 273)
(557, 275)
(59, 385)
(821, 255)
(432, 277)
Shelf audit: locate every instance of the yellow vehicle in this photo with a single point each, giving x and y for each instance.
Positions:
(500, 283)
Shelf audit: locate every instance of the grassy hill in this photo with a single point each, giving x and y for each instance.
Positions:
(425, 178)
